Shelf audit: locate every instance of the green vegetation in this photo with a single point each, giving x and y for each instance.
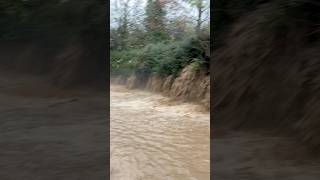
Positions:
(160, 58)
(159, 44)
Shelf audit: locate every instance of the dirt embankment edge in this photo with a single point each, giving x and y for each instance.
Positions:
(190, 85)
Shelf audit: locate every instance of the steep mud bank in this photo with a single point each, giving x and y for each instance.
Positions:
(190, 85)
(122, 80)
(155, 83)
(268, 79)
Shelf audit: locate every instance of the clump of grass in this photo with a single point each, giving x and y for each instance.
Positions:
(197, 64)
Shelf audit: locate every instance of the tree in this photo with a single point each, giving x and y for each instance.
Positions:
(155, 20)
(122, 21)
(202, 7)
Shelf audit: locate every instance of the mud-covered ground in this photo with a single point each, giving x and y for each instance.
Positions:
(246, 156)
(50, 134)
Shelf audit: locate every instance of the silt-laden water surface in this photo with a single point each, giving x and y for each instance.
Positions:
(153, 138)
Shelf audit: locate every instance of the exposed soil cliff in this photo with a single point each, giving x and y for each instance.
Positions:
(190, 85)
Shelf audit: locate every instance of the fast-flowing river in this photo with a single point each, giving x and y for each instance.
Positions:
(153, 138)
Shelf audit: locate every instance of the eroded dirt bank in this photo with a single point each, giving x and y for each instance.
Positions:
(190, 85)
(50, 133)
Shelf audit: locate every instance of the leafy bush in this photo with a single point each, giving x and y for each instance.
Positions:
(123, 62)
(164, 58)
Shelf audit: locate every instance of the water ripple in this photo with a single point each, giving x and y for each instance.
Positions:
(154, 138)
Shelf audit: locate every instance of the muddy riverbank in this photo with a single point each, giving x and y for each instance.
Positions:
(190, 85)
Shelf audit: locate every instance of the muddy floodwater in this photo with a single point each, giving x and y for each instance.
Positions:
(154, 138)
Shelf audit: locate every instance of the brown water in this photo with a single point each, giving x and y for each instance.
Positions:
(153, 138)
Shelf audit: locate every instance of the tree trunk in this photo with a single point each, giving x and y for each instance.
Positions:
(199, 20)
